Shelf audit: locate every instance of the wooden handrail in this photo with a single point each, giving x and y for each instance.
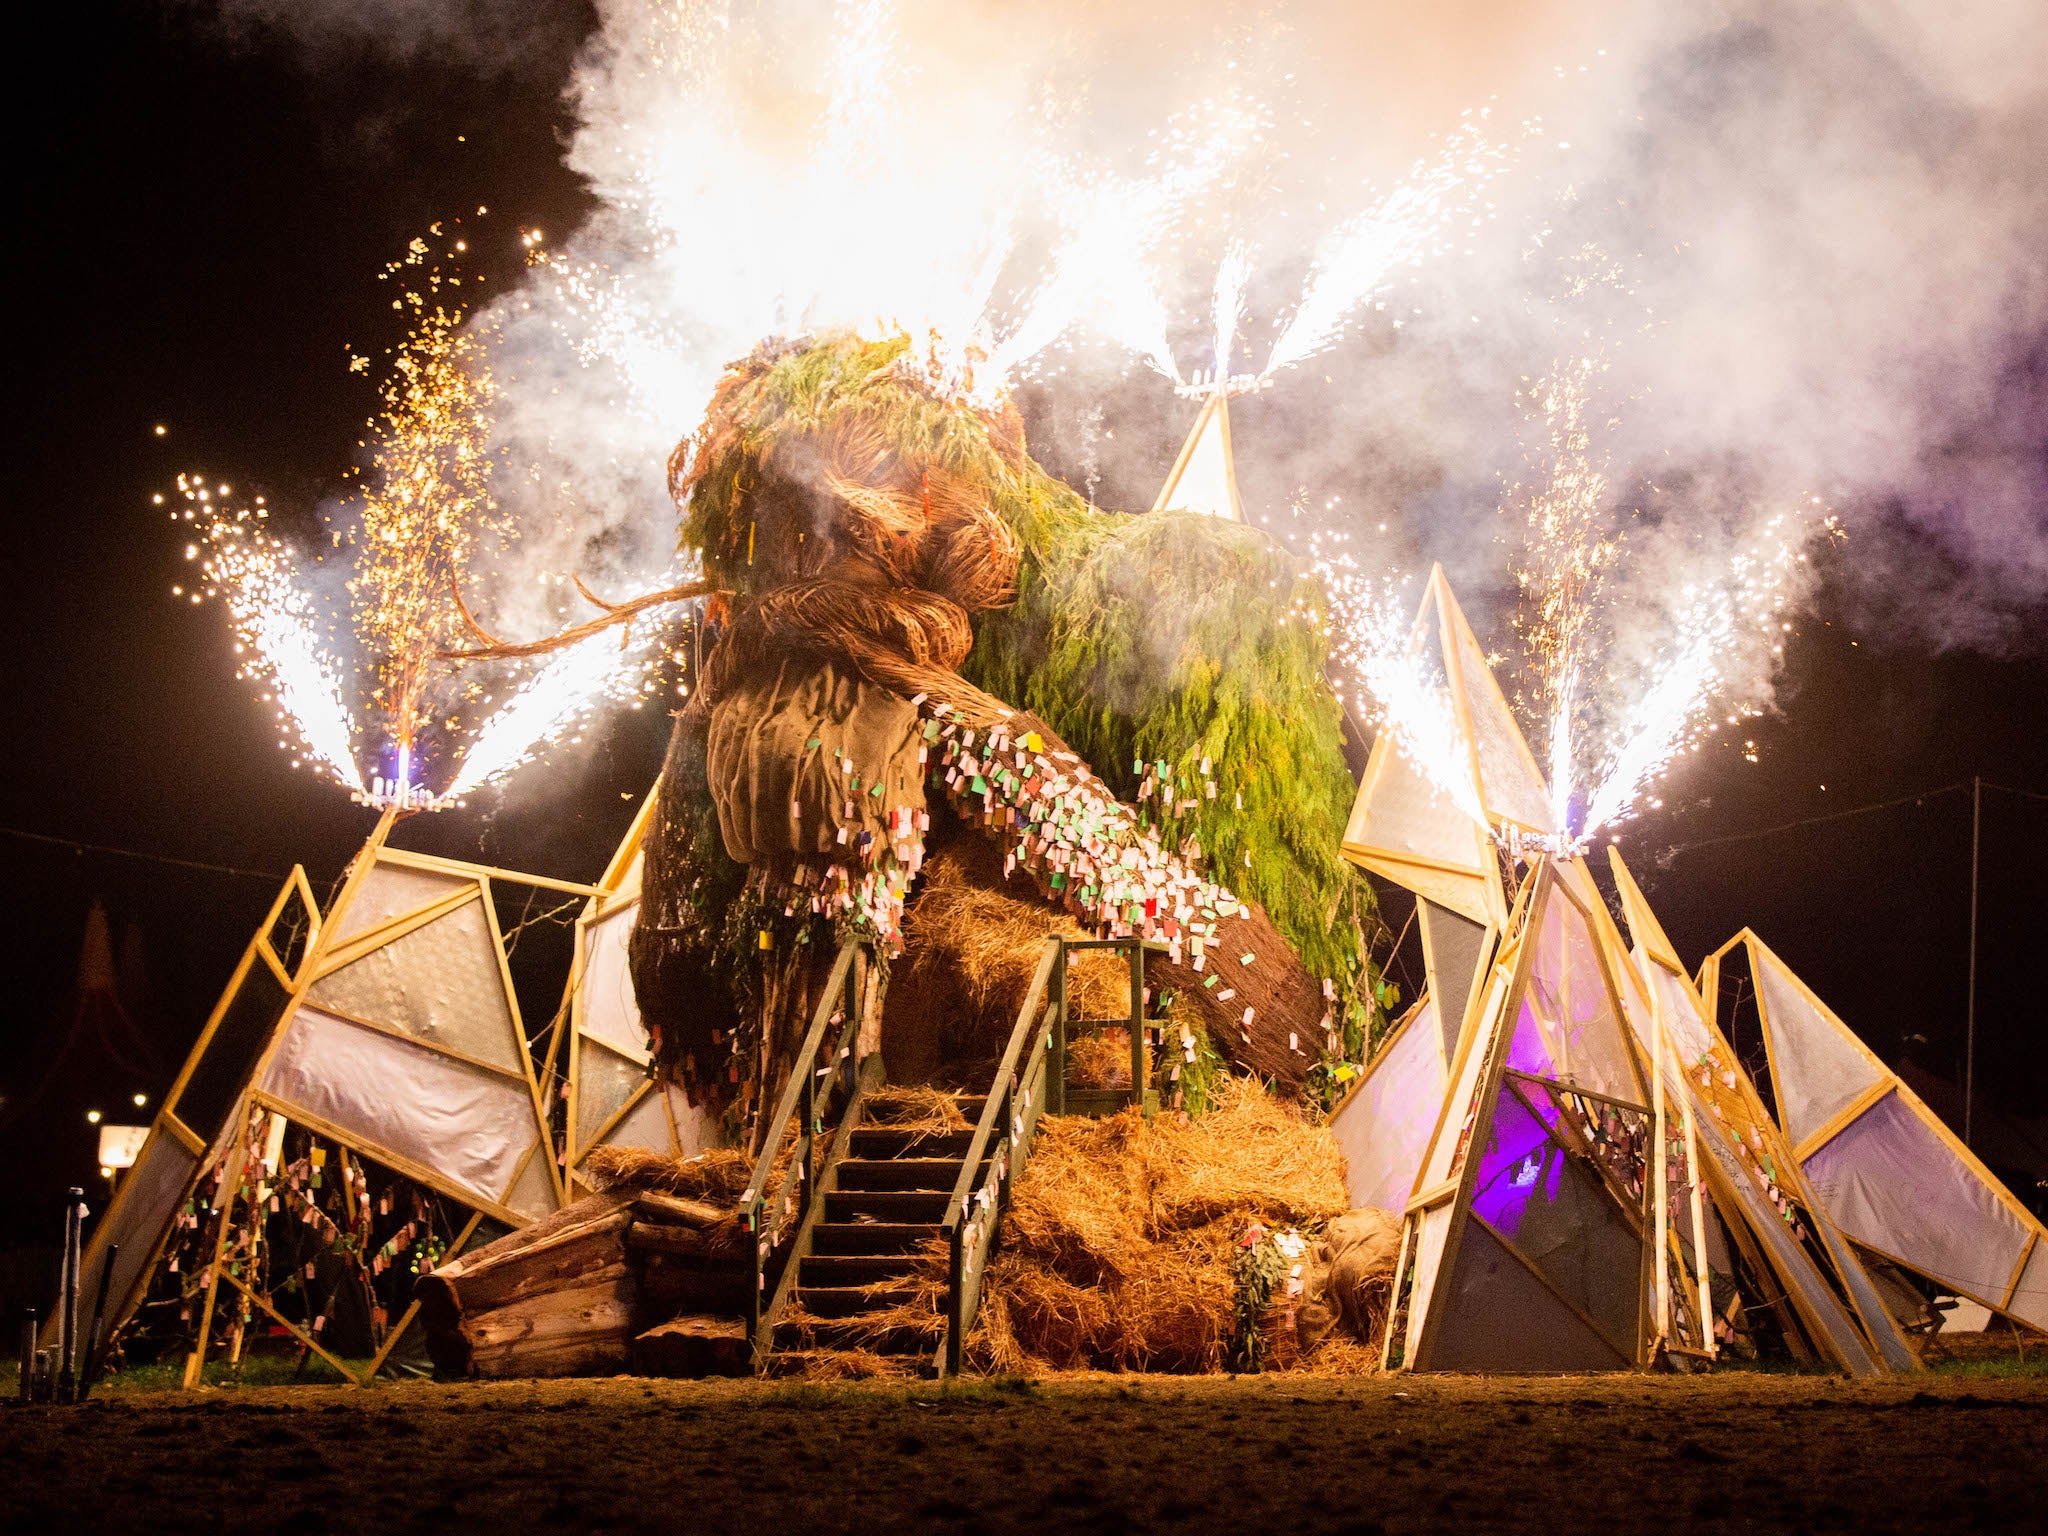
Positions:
(1028, 1042)
(799, 1099)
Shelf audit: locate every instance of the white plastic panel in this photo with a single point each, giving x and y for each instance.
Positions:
(1204, 483)
(1458, 1103)
(149, 1199)
(1384, 1126)
(1817, 1068)
(645, 1125)
(1432, 1227)
(440, 983)
(1688, 1032)
(605, 1080)
(392, 890)
(1510, 785)
(611, 1012)
(532, 1195)
(468, 1125)
(1569, 1028)
(2030, 1301)
(1890, 1182)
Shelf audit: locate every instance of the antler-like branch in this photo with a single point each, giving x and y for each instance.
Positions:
(491, 648)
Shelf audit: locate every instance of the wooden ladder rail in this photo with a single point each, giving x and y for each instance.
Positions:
(1135, 950)
(778, 1237)
(1009, 1121)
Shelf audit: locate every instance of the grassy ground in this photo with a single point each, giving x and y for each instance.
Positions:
(1961, 1447)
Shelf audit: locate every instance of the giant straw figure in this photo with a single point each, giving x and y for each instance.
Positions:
(925, 650)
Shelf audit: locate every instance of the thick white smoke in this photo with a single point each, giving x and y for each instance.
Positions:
(1831, 221)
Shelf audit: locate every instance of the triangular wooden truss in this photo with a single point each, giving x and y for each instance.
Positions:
(1204, 475)
(1527, 1242)
(1826, 1303)
(1892, 1176)
(1433, 837)
(613, 1097)
(387, 1025)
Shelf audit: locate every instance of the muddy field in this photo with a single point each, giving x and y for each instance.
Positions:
(1282, 1454)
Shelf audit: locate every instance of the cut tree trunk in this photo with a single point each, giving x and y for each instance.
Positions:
(567, 1295)
(694, 1346)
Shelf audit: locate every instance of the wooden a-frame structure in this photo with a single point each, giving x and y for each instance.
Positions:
(388, 1025)
(1826, 1305)
(1892, 1176)
(1204, 473)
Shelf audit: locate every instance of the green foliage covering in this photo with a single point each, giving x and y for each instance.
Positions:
(1150, 643)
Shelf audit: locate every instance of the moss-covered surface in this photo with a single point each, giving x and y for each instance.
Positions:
(1182, 656)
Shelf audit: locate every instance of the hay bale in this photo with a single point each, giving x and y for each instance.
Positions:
(719, 1176)
(1115, 1253)
(972, 941)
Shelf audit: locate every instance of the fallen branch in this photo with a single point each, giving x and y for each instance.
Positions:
(491, 648)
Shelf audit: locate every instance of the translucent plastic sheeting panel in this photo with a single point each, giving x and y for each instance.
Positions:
(1559, 1213)
(1788, 1256)
(392, 890)
(2030, 1301)
(440, 983)
(1512, 786)
(150, 1195)
(532, 1195)
(1455, 943)
(1408, 813)
(1444, 1155)
(1817, 1069)
(1384, 1127)
(467, 1125)
(1568, 1028)
(604, 1081)
(1892, 1183)
(1497, 1316)
(1431, 1228)
(610, 1011)
(1687, 1031)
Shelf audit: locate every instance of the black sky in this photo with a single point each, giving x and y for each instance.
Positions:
(197, 221)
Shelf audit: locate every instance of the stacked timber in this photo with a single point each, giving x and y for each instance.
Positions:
(623, 1280)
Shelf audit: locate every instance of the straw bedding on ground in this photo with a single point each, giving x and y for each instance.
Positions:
(1115, 1253)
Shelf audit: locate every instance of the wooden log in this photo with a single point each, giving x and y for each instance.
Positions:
(674, 1210)
(670, 1285)
(501, 1292)
(580, 1330)
(686, 1242)
(694, 1346)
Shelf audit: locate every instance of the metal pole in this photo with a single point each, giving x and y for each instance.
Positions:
(67, 1332)
(28, 1355)
(1970, 1005)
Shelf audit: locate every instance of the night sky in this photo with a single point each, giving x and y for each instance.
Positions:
(198, 220)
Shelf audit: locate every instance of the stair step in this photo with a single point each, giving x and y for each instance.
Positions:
(939, 1173)
(880, 1111)
(854, 1333)
(870, 1236)
(852, 1300)
(833, 1270)
(887, 1141)
(915, 1206)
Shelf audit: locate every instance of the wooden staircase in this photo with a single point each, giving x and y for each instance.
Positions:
(870, 1243)
(872, 1277)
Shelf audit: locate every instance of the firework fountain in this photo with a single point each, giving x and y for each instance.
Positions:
(444, 487)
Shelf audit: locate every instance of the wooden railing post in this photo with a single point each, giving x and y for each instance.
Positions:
(1138, 1072)
(1056, 1071)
